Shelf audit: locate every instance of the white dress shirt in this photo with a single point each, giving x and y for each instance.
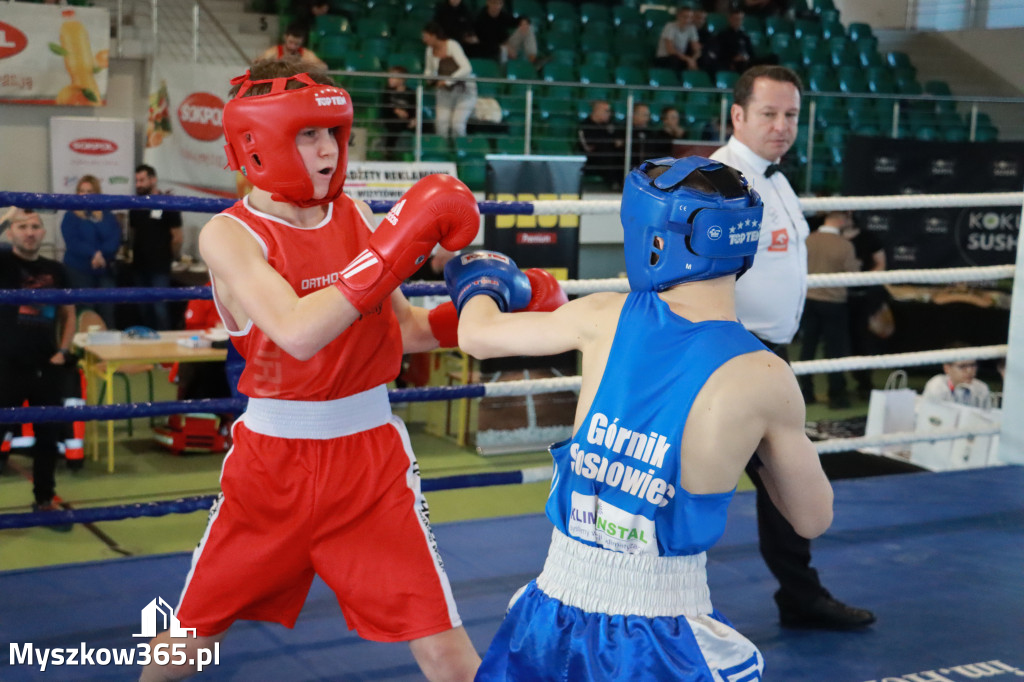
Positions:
(770, 295)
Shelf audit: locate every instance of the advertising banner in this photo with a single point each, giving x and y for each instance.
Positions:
(551, 242)
(388, 180)
(184, 137)
(522, 424)
(102, 147)
(938, 237)
(53, 54)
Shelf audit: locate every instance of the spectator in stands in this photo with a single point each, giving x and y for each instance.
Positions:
(293, 46)
(397, 110)
(670, 125)
(455, 98)
(734, 49)
(708, 60)
(602, 143)
(957, 383)
(865, 301)
(826, 314)
(678, 46)
(36, 363)
(91, 239)
(156, 239)
(493, 26)
(646, 142)
(456, 20)
(523, 43)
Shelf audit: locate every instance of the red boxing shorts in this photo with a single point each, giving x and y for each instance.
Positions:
(345, 507)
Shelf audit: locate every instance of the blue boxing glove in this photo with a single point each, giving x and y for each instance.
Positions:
(489, 273)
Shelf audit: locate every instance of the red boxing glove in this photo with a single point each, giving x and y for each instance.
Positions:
(547, 292)
(438, 208)
(444, 324)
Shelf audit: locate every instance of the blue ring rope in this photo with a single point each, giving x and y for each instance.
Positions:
(171, 202)
(187, 505)
(153, 294)
(90, 413)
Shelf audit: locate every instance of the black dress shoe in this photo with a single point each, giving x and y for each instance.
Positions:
(824, 613)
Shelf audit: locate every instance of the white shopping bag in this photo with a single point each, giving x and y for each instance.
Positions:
(961, 453)
(891, 410)
(934, 415)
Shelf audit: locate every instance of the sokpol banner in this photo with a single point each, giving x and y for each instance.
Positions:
(52, 54)
(101, 147)
(184, 136)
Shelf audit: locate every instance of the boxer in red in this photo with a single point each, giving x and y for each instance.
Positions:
(321, 478)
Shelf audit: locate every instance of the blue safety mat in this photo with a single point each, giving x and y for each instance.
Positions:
(938, 557)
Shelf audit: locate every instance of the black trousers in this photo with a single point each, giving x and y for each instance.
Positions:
(828, 323)
(44, 385)
(787, 554)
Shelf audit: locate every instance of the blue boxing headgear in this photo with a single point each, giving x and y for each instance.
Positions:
(674, 231)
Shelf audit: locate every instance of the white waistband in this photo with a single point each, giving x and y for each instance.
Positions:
(601, 581)
(319, 420)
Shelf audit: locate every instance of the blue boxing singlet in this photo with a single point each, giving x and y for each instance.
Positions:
(616, 481)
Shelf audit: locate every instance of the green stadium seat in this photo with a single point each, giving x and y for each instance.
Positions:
(591, 12)
(851, 79)
(521, 70)
(630, 75)
(564, 57)
(986, 133)
(360, 61)
(510, 144)
(334, 48)
(814, 54)
(557, 73)
(487, 68)
(830, 30)
(954, 134)
(803, 28)
(696, 79)
(726, 79)
(597, 58)
(776, 25)
(410, 61)
(553, 108)
(372, 28)
(753, 24)
(858, 30)
(381, 48)
(716, 21)
(593, 73)
(558, 9)
(560, 40)
(898, 60)
(655, 19)
(622, 15)
(436, 148)
(661, 77)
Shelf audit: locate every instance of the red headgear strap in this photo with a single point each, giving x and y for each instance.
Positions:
(260, 131)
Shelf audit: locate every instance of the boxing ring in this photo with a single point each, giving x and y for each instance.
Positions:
(955, 539)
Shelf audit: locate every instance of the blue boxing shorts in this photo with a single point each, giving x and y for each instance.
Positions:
(590, 631)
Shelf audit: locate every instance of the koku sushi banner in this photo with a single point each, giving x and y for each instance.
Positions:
(51, 54)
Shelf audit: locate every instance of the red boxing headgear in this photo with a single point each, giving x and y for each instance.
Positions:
(261, 129)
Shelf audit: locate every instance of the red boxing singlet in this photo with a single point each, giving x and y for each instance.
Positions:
(367, 354)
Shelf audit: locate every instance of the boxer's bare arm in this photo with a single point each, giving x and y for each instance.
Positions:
(792, 470)
(417, 336)
(252, 290)
(486, 332)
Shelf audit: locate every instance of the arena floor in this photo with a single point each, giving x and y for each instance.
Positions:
(937, 556)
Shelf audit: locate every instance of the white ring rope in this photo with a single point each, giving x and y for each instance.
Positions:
(522, 387)
(813, 204)
(578, 287)
(901, 438)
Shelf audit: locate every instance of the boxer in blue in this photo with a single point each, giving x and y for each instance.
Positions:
(675, 396)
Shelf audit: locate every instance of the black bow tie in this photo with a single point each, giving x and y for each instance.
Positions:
(772, 170)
